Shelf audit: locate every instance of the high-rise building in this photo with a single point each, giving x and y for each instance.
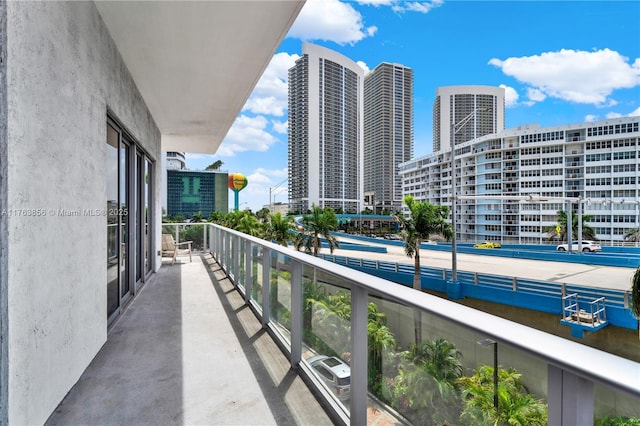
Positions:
(175, 160)
(325, 131)
(511, 184)
(388, 133)
(189, 192)
(474, 111)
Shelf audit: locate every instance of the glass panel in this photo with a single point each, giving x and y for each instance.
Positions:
(281, 293)
(124, 217)
(422, 366)
(193, 233)
(169, 229)
(326, 329)
(113, 245)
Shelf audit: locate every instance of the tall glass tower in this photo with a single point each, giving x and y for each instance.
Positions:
(455, 103)
(388, 133)
(325, 131)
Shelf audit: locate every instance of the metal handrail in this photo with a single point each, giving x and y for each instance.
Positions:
(586, 363)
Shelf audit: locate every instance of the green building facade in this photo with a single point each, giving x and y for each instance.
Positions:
(189, 192)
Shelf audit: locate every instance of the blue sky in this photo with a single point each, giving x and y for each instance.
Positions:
(560, 62)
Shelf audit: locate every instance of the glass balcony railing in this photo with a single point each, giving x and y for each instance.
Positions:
(371, 347)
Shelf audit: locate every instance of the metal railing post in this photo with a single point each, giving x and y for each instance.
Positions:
(266, 286)
(296, 313)
(359, 313)
(236, 260)
(570, 398)
(227, 252)
(248, 271)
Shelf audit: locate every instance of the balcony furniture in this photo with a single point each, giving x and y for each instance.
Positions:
(172, 249)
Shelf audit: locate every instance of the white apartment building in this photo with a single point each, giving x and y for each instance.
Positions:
(466, 112)
(388, 133)
(597, 161)
(325, 131)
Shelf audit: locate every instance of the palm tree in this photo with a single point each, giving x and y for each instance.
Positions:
(380, 341)
(587, 232)
(215, 165)
(635, 293)
(425, 219)
(197, 217)
(263, 214)
(632, 235)
(319, 224)
(515, 405)
(440, 358)
(279, 229)
(248, 224)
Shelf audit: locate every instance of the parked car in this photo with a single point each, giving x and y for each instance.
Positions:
(392, 237)
(487, 244)
(587, 246)
(335, 373)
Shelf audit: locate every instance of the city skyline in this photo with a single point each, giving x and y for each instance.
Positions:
(560, 63)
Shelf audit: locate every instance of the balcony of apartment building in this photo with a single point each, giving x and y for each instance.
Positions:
(249, 331)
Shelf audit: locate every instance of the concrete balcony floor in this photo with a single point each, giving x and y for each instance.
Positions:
(187, 350)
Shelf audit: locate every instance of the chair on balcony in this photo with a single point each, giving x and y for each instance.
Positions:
(172, 249)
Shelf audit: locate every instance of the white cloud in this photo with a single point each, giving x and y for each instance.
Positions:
(262, 182)
(269, 105)
(330, 20)
(377, 3)
(364, 66)
(417, 6)
(246, 134)
(510, 96)
(635, 113)
(535, 95)
(270, 94)
(614, 115)
(590, 117)
(280, 126)
(573, 75)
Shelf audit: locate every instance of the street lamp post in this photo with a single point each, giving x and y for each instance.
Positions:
(271, 189)
(489, 342)
(455, 128)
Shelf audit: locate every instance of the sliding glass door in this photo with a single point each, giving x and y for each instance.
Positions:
(128, 221)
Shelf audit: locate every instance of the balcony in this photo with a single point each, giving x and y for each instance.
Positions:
(188, 350)
(229, 344)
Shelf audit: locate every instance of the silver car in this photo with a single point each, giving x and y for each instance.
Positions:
(335, 373)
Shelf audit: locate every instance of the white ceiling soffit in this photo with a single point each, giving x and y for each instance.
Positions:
(196, 63)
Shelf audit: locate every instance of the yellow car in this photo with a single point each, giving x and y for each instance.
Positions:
(487, 244)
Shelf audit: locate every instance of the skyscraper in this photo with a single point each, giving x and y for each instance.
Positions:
(325, 131)
(453, 104)
(388, 133)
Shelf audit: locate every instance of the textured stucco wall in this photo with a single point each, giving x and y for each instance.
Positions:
(4, 366)
(63, 74)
